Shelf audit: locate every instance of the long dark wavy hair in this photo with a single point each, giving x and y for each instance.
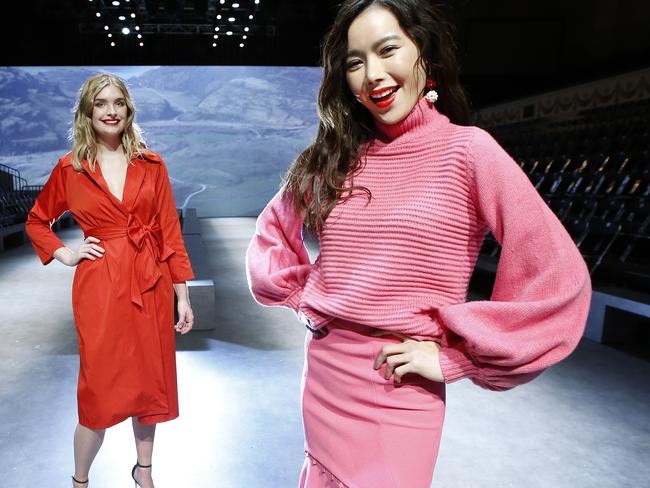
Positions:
(317, 177)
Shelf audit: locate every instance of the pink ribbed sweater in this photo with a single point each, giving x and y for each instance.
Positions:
(403, 261)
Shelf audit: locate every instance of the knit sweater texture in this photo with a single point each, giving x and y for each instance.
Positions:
(402, 260)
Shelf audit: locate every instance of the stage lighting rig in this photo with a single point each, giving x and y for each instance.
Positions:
(117, 19)
(235, 18)
(125, 22)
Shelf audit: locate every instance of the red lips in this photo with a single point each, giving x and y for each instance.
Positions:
(384, 96)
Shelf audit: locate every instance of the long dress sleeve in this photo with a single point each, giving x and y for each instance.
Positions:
(50, 205)
(179, 262)
(540, 301)
(277, 262)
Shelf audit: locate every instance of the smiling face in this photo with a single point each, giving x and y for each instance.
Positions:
(109, 113)
(382, 68)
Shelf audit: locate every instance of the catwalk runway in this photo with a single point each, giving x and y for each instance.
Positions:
(584, 423)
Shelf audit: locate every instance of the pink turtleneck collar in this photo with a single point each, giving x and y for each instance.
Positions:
(423, 115)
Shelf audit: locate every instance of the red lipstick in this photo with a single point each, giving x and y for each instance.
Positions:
(385, 96)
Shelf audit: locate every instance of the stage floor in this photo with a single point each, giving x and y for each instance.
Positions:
(584, 423)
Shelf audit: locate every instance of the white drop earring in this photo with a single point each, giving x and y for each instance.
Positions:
(431, 95)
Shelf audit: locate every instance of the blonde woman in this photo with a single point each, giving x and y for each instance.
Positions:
(129, 264)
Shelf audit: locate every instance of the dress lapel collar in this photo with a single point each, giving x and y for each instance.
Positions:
(98, 179)
(135, 174)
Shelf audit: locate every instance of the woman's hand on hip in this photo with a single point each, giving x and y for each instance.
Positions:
(185, 317)
(87, 250)
(411, 356)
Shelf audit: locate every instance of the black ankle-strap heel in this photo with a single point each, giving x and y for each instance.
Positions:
(135, 466)
(79, 482)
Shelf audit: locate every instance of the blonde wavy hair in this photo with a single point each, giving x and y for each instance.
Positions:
(82, 135)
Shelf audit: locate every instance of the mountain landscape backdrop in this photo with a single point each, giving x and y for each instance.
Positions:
(227, 133)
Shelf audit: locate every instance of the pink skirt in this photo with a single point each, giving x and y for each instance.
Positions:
(361, 430)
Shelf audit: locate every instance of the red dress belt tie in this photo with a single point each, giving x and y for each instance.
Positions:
(147, 239)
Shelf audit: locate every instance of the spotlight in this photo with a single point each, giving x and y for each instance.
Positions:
(229, 33)
(250, 17)
(257, 2)
(125, 30)
(98, 14)
(105, 27)
(241, 45)
(219, 17)
(216, 36)
(244, 37)
(116, 3)
(137, 27)
(139, 36)
(121, 17)
(141, 44)
(235, 5)
(216, 29)
(112, 44)
(132, 15)
(222, 2)
(214, 44)
(110, 35)
(246, 29)
(231, 19)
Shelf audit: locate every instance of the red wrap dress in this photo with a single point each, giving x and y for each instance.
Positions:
(123, 302)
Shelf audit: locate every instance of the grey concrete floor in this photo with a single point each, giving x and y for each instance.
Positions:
(584, 423)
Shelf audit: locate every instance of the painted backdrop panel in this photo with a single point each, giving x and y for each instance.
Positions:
(227, 133)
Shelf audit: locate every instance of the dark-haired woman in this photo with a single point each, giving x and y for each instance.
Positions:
(401, 193)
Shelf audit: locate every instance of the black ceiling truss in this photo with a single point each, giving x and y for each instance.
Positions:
(117, 23)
